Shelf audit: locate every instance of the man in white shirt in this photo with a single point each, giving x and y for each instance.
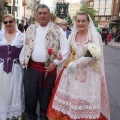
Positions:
(43, 40)
(66, 29)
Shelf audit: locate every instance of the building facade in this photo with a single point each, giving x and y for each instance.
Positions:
(29, 9)
(8, 8)
(106, 10)
(73, 9)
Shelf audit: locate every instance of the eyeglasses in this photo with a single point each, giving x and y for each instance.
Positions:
(5, 22)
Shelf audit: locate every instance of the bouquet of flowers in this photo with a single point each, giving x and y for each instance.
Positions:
(47, 63)
(93, 51)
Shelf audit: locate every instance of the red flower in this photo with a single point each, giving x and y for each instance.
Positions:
(50, 50)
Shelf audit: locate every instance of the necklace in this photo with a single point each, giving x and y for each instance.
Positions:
(10, 37)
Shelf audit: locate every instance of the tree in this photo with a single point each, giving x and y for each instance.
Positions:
(69, 20)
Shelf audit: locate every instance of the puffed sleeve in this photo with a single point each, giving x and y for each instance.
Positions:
(64, 47)
(21, 57)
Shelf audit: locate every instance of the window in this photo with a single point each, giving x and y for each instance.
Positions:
(96, 18)
(102, 18)
(108, 18)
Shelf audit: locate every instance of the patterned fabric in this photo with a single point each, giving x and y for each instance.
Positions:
(52, 40)
(81, 92)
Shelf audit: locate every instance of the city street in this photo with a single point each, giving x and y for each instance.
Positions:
(112, 70)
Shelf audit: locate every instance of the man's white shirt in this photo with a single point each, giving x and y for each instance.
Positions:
(39, 50)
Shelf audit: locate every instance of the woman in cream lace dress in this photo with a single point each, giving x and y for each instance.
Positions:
(80, 91)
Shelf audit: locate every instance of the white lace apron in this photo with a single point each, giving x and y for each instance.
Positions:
(82, 93)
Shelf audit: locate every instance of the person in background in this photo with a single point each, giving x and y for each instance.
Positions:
(118, 36)
(26, 26)
(104, 36)
(109, 37)
(21, 26)
(80, 91)
(11, 71)
(64, 26)
(43, 40)
(114, 31)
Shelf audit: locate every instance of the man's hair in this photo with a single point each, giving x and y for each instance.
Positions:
(43, 6)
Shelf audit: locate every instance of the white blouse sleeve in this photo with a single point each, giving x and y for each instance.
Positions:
(21, 57)
(64, 47)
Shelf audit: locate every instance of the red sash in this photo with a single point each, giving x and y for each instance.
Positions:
(40, 66)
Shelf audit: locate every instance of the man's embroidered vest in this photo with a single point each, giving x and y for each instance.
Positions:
(52, 41)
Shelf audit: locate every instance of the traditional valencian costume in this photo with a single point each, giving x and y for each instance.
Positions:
(80, 91)
(11, 84)
(37, 83)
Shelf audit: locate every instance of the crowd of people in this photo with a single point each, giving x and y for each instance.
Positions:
(109, 34)
(23, 27)
(50, 65)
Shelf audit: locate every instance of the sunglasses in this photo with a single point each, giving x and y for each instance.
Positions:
(5, 22)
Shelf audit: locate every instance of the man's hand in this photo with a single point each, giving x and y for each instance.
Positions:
(50, 68)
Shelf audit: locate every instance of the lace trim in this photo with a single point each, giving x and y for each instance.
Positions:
(75, 108)
(10, 112)
(15, 110)
(19, 39)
